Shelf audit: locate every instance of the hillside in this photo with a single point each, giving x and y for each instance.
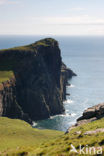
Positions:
(19, 138)
(17, 135)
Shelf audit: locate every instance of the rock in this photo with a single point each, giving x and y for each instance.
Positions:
(89, 115)
(95, 111)
(77, 132)
(38, 87)
(66, 132)
(99, 130)
(66, 74)
(67, 94)
(80, 122)
(68, 84)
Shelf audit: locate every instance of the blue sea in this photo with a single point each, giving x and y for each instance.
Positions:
(85, 56)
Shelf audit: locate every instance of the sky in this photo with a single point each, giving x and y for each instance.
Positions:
(52, 17)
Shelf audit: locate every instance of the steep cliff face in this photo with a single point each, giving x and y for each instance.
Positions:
(38, 85)
(66, 74)
(9, 106)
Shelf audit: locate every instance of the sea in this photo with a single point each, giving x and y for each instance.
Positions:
(85, 56)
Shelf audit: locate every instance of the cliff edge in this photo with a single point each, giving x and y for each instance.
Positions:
(33, 81)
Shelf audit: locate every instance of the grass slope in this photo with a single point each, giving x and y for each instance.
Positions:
(18, 138)
(61, 146)
(17, 135)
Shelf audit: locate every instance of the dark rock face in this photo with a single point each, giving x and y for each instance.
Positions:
(39, 84)
(66, 74)
(8, 103)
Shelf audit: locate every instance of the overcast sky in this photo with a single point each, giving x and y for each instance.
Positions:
(52, 17)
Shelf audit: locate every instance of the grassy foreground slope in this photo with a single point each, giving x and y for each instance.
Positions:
(62, 146)
(18, 138)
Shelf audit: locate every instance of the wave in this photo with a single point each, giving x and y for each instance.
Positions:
(68, 101)
(73, 114)
(67, 110)
(52, 117)
(34, 124)
(72, 123)
(63, 115)
(71, 86)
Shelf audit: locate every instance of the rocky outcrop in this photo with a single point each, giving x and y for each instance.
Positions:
(38, 87)
(91, 114)
(95, 112)
(66, 74)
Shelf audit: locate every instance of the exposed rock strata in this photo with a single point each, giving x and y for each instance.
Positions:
(38, 87)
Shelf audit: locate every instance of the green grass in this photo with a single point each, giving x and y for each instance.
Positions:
(6, 69)
(43, 42)
(16, 135)
(61, 146)
(5, 75)
(19, 138)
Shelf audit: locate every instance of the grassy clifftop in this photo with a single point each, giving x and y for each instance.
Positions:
(19, 138)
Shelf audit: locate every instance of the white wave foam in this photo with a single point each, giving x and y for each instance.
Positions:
(34, 124)
(67, 110)
(52, 117)
(63, 115)
(71, 86)
(68, 101)
(67, 114)
(73, 114)
(70, 114)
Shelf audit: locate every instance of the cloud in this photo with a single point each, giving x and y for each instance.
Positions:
(4, 2)
(72, 20)
(77, 9)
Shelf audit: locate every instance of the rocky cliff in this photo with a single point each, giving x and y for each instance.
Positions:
(37, 87)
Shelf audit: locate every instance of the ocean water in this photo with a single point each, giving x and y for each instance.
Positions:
(85, 56)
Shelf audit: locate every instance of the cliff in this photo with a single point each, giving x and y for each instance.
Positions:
(33, 81)
(66, 74)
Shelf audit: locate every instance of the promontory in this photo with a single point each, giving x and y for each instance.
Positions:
(33, 81)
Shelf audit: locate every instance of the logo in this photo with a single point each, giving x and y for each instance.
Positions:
(86, 150)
